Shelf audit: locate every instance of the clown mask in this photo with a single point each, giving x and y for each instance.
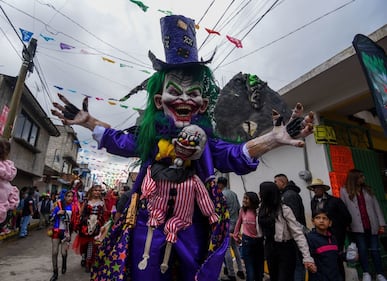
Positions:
(181, 98)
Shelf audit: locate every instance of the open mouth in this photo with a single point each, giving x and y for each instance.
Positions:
(183, 110)
(184, 152)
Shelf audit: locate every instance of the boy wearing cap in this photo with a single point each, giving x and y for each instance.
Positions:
(333, 205)
(323, 248)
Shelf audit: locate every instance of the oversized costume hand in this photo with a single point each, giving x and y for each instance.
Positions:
(72, 115)
(297, 128)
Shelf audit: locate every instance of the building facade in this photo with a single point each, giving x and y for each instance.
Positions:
(347, 132)
(30, 135)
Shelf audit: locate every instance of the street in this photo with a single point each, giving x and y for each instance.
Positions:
(29, 259)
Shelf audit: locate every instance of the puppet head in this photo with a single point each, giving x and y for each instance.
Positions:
(189, 144)
(183, 90)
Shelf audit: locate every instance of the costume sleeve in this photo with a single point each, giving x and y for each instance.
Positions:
(7, 170)
(148, 185)
(14, 197)
(55, 211)
(204, 201)
(118, 143)
(228, 157)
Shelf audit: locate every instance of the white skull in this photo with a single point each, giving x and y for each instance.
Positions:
(92, 223)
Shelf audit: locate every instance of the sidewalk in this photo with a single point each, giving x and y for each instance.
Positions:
(34, 224)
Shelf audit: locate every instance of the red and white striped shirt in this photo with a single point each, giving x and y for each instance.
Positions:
(158, 194)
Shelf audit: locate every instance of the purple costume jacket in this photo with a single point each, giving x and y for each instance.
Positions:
(191, 249)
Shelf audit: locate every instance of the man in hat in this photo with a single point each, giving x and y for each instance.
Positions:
(45, 207)
(341, 218)
(181, 92)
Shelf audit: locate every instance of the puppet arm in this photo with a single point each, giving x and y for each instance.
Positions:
(289, 134)
(69, 114)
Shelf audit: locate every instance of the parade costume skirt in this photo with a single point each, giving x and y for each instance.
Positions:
(80, 242)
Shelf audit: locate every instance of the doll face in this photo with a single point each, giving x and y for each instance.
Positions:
(181, 98)
(190, 143)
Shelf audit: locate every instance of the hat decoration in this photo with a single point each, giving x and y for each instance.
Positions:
(179, 40)
(317, 183)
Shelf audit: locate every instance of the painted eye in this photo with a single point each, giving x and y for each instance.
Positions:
(183, 135)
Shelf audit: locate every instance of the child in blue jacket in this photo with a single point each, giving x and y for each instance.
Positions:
(323, 248)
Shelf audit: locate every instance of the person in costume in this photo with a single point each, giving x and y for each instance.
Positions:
(64, 220)
(171, 191)
(180, 93)
(91, 222)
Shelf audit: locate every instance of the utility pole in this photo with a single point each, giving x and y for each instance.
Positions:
(28, 65)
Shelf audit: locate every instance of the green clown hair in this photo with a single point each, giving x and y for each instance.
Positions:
(153, 118)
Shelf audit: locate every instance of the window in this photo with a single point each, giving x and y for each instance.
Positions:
(26, 129)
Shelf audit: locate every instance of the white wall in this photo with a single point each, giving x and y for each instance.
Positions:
(289, 161)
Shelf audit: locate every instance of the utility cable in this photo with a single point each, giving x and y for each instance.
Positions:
(248, 32)
(89, 32)
(214, 27)
(206, 11)
(73, 38)
(13, 27)
(288, 34)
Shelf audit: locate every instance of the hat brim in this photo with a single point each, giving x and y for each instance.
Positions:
(160, 65)
(313, 187)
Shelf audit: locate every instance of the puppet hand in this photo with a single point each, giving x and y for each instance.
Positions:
(71, 115)
(297, 127)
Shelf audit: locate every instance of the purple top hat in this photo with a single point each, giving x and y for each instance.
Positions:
(179, 39)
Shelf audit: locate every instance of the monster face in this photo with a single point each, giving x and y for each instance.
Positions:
(190, 143)
(181, 98)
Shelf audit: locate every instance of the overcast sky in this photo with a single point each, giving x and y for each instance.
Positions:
(279, 44)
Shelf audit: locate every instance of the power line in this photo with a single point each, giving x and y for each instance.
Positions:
(288, 34)
(75, 39)
(228, 7)
(205, 13)
(86, 70)
(10, 42)
(259, 20)
(239, 25)
(233, 15)
(13, 27)
(89, 32)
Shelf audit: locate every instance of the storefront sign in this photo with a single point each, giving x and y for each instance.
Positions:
(324, 134)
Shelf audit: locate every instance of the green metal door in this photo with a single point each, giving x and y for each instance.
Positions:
(368, 161)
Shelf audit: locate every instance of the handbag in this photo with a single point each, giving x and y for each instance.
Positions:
(50, 231)
(352, 254)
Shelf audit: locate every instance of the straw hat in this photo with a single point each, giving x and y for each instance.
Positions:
(317, 183)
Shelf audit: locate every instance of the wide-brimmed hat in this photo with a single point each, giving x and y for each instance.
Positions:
(179, 40)
(318, 183)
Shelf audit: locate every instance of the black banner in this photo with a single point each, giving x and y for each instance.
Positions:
(373, 60)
